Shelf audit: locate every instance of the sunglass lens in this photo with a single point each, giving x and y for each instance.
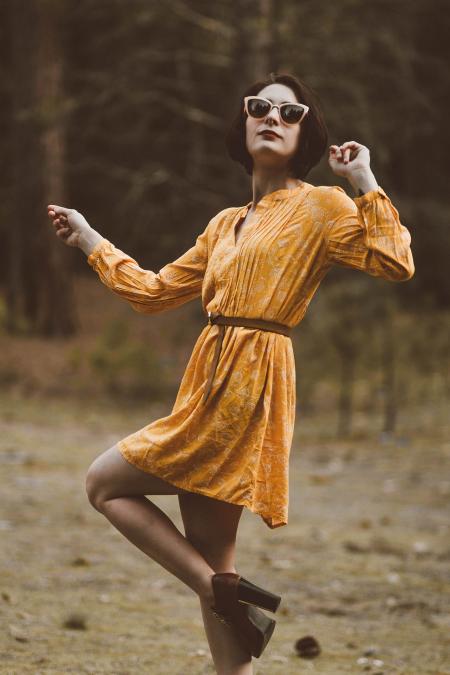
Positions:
(257, 108)
(291, 113)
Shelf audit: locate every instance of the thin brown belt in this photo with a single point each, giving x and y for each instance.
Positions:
(245, 322)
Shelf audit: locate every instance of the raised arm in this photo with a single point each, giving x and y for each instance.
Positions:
(365, 233)
(147, 292)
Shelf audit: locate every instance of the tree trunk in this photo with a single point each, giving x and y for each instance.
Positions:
(38, 289)
(346, 393)
(56, 307)
(256, 45)
(389, 378)
(25, 162)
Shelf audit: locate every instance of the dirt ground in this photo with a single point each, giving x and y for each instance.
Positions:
(363, 564)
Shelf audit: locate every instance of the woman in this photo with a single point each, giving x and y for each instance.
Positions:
(226, 443)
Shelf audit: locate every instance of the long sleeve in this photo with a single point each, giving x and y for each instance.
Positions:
(365, 233)
(148, 292)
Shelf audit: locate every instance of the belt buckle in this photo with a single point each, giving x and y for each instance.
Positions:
(212, 316)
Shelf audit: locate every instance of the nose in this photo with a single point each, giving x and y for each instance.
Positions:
(274, 114)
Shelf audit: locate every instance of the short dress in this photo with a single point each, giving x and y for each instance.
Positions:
(235, 446)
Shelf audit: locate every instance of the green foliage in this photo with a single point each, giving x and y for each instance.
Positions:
(126, 368)
(357, 320)
(147, 93)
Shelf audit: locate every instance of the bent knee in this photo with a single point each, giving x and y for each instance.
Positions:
(94, 483)
(100, 477)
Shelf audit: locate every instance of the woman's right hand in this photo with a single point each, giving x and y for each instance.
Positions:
(70, 226)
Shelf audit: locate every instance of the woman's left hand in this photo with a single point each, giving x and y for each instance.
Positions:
(349, 158)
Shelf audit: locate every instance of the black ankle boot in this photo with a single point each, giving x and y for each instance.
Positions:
(236, 602)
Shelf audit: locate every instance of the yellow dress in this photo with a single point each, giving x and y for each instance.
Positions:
(235, 447)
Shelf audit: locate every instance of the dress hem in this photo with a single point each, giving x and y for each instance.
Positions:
(124, 451)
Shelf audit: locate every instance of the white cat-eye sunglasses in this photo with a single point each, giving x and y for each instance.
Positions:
(291, 113)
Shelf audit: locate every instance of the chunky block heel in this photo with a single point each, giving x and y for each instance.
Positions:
(264, 627)
(236, 605)
(254, 595)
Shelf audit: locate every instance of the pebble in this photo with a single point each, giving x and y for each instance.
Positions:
(393, 578)
(391, 601)
(278, 658)
(389, 486)
(75, 621)
(420, 547)
(17, 633)
(282, 564)
(307, 647)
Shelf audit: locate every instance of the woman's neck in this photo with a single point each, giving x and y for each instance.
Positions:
(265, 183)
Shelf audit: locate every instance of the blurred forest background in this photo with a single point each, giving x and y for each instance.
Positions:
(119, 109)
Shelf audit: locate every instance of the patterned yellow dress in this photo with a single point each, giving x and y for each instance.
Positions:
(235, 447)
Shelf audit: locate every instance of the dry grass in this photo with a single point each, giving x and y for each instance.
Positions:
(362, 565)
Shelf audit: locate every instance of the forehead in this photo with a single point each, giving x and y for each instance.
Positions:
(278, 93)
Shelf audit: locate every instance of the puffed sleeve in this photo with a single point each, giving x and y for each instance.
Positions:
(149, 292)
(365, 233)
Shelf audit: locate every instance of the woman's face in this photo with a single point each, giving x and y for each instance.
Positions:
(268, 151)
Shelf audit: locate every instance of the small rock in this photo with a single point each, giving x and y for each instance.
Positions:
(282, 564)
(17, 633)
(391, 601)
(393, 577)
(335, 466)
(278, 658)
(307, 647)
(200, 652)
(75, 621)
(378, 663)
(353, 547)
(370, 651)
(104, 597)
(421, 547)
(80, 562)
(362, 661)
(25, 615)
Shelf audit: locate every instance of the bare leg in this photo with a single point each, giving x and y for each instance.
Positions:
(116, 489)
(211, 525)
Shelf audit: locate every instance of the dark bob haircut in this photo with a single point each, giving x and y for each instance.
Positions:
(313, 141)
